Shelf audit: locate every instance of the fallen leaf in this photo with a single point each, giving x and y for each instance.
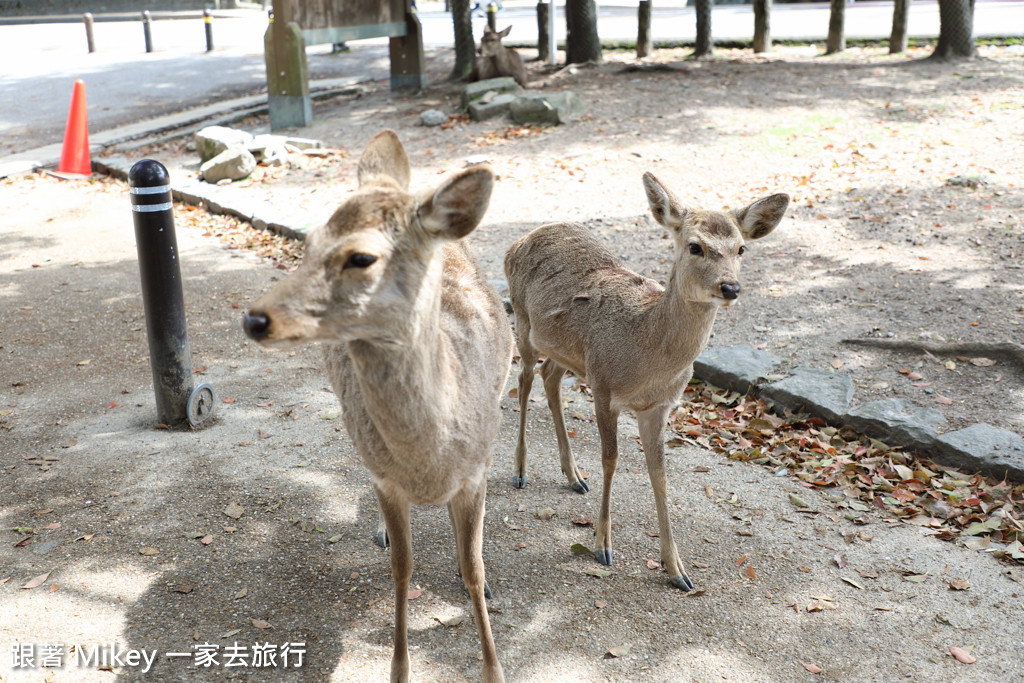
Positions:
(232, 632)
(600, 604)
(241, 594)
(259, 623)
(619, 650)
(797, 501)
(982, 362)
(415, 593)
(750, 573)
(950, 364)
(852, 582)
(334, 539)
(54, 588)
(813, 668)
(709, 492)
(233, 510)
(583, 521)
(451, 622)
(596, 571)
(545, 514)
(229, 400)
(653, 564)
(836, 363)
(939, 398)
(961, 585)
(185, 588)
(840, 561)
(206, 540)
(962, 655)
(83, 363)
(149, 550)
(916, 578)
(36, 582)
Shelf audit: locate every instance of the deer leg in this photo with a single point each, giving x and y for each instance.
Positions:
(396, 516)
(608, 428)
(458, 550)
(527, 360)
(552, 373)
(381, 537)
(652, 428)
(467, 512)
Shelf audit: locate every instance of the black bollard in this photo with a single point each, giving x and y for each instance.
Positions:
(162, 298)
(87, 20)
(492, 16)
(147, 30)
(208, 21)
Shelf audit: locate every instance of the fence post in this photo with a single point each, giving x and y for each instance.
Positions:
(542, 30)
(208, 22)
(644, 45)
(162, 298)
(287, 76)
(492, 16)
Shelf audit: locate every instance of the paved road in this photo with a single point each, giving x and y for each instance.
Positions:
(39, 62)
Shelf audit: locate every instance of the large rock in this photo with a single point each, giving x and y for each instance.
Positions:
(213, 140)
(558, 107)
(488, 106)
(736, 368)
(474, 91)
(432, 118)
(234, 163)
(897, 422)
(982, 448)
(818, 392)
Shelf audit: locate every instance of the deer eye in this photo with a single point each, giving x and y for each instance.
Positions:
(742, 250)
(695, 249)
(359, 260)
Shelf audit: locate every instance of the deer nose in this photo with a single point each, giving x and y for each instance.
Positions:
(256, 325)
(730, 290)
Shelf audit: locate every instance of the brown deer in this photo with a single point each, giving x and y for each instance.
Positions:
(497, 60)
(633, 341)
(418, 348)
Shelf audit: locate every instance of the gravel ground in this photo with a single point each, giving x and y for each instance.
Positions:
(130, 523)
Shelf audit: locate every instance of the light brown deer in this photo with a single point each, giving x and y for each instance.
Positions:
(497, 60)
(633, 341)
(418, 349)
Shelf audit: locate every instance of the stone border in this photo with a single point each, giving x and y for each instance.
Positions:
(897, 422)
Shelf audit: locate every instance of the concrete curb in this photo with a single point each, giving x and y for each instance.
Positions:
(829, 395)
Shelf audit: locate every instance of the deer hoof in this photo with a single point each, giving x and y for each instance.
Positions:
(487, 592)
(381, 538)
(682, 582)
(519, 482)
(604, 556)
(580, 486)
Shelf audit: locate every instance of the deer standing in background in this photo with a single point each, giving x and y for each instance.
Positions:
(497, 60)
(418, 349)
(633, 341)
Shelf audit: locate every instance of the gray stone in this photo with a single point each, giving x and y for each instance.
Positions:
(819, 392)
(432, 117)
(897, 422)
(558, 107)
(303, 143)
(267, 146)
(736, 368)
(474, 91)
(489, 107)
(213, 140)
(982, 448)
(232, 164)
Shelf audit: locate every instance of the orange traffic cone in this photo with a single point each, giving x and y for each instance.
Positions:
(74, 157)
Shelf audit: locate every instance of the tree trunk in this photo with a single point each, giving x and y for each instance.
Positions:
(543, 38)
(898, 38)
(762, 25)
(704, 44)
(644, 45)
(465, 46)
(956, 30)
(836, 34)
(581, 42)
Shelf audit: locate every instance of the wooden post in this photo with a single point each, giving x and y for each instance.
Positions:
(408, 64)
(543, 8)
(287, 74)
(644, 44)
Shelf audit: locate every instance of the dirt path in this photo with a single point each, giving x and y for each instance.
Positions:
(129, 521)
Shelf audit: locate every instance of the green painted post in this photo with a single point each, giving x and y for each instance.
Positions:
(287, 76)
(408, 65)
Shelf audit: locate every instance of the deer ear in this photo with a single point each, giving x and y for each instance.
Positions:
(384, 156)
(761, 217)
(665, 206)
(502, 34)
(456, 207)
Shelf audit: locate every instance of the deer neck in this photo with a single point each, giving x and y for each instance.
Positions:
(403, 379)
(679, 327)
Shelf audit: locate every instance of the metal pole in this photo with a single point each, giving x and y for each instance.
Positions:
(162, 298)
(87, 20)
(208, 21)
(552, 46)
(147, 30)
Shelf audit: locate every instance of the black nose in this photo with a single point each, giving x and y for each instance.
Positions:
(730, 291)
(256, 325)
